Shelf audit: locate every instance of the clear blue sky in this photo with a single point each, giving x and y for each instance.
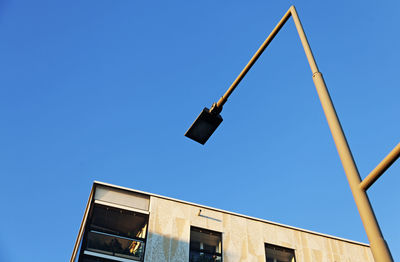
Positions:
(105, 90)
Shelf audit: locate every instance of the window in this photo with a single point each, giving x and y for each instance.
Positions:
(114, 234)
(205, 245)
(279, 254)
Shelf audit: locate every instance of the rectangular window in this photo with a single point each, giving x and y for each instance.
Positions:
(114, 234)
(205, 245)
(279, 254)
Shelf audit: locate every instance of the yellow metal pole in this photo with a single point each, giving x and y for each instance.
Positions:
(379, 248)
(260, 50)
(381, 168)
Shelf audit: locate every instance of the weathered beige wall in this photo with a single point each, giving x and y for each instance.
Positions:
(242, 238)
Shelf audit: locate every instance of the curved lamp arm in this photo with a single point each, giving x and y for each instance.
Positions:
(307, 49)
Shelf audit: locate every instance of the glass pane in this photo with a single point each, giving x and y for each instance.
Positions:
(118, 222)
(206, 240)
(114, 246)
(279, 254)
(205, 245)
(197, 256)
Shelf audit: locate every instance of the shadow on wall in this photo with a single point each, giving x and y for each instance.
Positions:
(170, 249)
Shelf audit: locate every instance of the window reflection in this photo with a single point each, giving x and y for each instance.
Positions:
(115, 246)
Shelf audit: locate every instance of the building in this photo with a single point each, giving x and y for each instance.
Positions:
(121, 224)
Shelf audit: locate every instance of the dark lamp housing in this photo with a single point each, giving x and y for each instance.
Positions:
(204, 126)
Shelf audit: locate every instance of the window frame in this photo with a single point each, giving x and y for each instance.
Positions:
(88, 228)
(201, 230)
(279, 248)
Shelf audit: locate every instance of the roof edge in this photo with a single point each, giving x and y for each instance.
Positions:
(231, 213)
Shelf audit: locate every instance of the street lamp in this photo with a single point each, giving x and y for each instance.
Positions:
(209, 119)
(204, 125)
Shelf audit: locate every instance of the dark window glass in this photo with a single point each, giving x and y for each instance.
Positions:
(279, 254)
(118, 221)
(205, 245)
(114, 233)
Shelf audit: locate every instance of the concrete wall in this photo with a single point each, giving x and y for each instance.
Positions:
(242, 238)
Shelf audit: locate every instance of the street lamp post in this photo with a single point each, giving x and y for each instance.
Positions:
(209, 119)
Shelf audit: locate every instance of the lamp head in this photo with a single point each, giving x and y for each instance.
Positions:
(205, 125)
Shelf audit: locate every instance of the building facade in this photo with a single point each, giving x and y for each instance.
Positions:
(122, 224)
